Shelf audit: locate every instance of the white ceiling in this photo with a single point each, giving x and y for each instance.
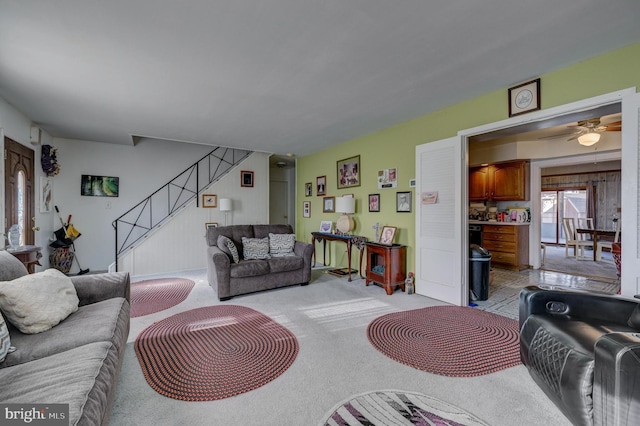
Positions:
(281, 75)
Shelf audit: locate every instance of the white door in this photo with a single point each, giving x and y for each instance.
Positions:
(278, 202)
(630, 200)
(440, 271)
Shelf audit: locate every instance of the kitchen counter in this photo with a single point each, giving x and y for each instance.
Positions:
(486, 222)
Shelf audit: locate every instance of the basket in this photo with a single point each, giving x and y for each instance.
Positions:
(61, 259)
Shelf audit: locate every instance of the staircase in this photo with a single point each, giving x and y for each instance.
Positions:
(152, 212)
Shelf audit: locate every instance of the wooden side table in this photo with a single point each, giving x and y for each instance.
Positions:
(386, 265)
(29, 255)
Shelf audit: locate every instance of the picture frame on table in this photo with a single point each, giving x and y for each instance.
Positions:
(329, 205)
(524, 98)
(403, 202)
(326, 226)
(374, 203)
(308, 189)
(321, 185)
(306, 209)
(348, 172)
(209, 201)
(387, 235)
(246, 178)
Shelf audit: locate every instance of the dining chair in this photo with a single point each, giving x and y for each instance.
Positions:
(571, 239)
(608, 244)
(585, 223)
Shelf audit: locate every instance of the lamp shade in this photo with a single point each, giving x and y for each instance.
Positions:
(225, 205)
(346, 205)
(589, 139)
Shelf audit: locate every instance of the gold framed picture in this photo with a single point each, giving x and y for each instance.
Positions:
(211, 225)
(348, 172)
(387, 235)
(209, 200)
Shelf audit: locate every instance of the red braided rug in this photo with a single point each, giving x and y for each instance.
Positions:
(151, 296)
(214, 352)
(448, 340)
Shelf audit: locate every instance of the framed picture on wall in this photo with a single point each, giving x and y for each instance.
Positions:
(46, 194)
(374, 202)
(329, 205)
(524, 98)
(209, 200)
(321, 185)
(306, 209)
(403, 202)
(246, 179)
(99, 186)
(349, 172)
(211, 225)
(308, 189)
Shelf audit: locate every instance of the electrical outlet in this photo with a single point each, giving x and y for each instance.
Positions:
(107, 205)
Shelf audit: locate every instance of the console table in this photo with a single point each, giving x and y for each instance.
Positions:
(386, 266)
(350, 240)
(28, 255)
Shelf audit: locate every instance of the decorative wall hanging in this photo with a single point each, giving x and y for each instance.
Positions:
(308, 189)
(348, 172)
(49, 161)
(100, 186)
(403, 202)
(46, 194)
(306, 209)
(246, 179)
(387, 178)
(209, 200)
(321, 185)
(524, 98)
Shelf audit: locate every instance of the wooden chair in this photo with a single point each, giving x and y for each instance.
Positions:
(585, 223)
(608, 244)
(571, 239)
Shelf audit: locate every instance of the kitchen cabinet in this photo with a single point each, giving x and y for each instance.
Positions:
(500, 182)
(508, 245)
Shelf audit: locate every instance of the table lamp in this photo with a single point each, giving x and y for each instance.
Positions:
(346, 206)
(225, 206)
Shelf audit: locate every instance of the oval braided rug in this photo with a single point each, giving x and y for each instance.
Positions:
(214, 352)
(448, 340)
(151, 296)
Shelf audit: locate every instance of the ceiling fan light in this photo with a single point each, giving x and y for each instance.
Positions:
(589, 139)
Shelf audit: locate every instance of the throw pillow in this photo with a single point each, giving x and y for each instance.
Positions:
(37, 302)
(5, 339)
(229, 247)
(281, 244)
(256, 248)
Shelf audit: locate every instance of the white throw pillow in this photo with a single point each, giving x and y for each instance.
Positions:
(37, 302)
(255, 248)
(281, 245)
(5, 339)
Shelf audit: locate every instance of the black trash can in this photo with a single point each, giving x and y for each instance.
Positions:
(479, 266)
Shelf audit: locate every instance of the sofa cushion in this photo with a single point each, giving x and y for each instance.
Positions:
(249, 268)
(5, 339)
(281, 244)
(11, 268)
(35, 303)
(234, 232)
(261, 231)
(285, 263)
(255, 248)
(106, 321)
(229, 247)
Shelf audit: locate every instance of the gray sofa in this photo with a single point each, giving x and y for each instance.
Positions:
(229, 279)
(77, 361)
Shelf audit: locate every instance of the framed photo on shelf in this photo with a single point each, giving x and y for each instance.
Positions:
(209, 200)
(403, 202)
(524, 98)
(374, 202)
(329, 205)
(387, 235)
(326, 226)
(211, 225)
(321, 185)
(308, 191)
(348, 172)
(306, 209)
(246, 179)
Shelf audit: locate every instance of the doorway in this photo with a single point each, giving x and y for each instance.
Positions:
(19, 190)
(557, 205)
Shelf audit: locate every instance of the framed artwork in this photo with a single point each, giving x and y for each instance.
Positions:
(403, 202)
(524, 98)
(348, 172)
(209, 200)
(99, 186)
(374, 202)
(308, 191)
(387, 235)
(46, 194)
(325, 226)
(387, 178)
(246, 179)
(306, 209)
(321, 185)
(329, 205)
(211, 225)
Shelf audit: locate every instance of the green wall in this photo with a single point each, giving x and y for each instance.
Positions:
(394, 147)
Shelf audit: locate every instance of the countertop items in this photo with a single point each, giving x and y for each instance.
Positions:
(485, 222)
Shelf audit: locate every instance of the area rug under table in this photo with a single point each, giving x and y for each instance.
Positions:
(151, 296)
(214, 352)
(448, 340)
(394, 407)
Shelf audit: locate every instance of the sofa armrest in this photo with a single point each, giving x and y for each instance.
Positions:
(99, 287)
(218, 271)
(537, 301)
(304, 250)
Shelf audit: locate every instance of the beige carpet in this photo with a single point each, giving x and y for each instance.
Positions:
(555, 260)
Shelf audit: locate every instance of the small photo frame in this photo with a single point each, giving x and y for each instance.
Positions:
(321, 185)
(348, 172)
(211, 225)
(246, 179)
(326, 226)
(306, 209)
(524, 98)
(46, 194)
(329, 205)
(209, 201)
(308, 189)
(403, 202)
(387, 235)
(374, 202)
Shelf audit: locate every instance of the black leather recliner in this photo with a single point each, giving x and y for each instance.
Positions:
(583, 350)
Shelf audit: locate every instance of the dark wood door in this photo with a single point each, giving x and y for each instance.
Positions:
(19, 188)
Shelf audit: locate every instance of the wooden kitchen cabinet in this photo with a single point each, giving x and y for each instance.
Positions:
(500, 182)
(508, 245)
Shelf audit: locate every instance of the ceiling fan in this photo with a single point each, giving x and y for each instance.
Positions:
(588, 131)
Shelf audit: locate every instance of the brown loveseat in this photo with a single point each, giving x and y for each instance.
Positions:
(228, 278)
